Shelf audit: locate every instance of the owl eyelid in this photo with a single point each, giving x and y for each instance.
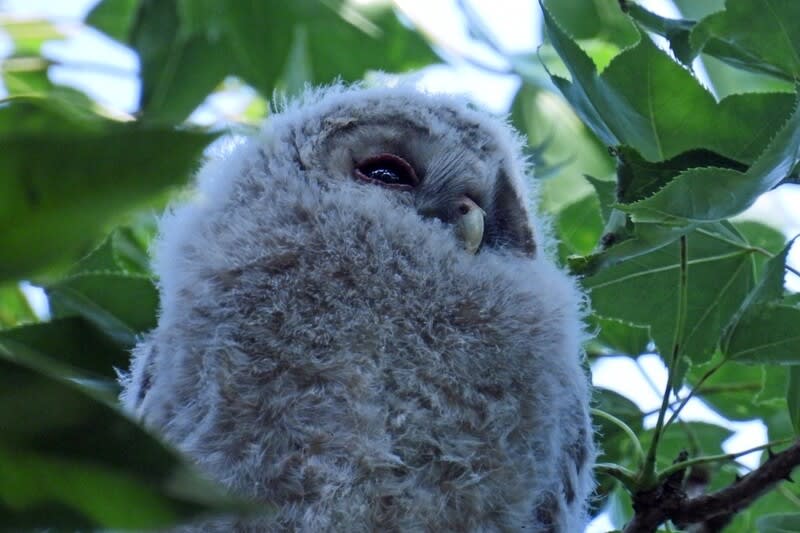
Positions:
(390, 164)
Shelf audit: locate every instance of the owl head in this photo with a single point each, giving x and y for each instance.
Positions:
(433, 152)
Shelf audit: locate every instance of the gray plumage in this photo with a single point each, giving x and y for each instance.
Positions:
(326, 343)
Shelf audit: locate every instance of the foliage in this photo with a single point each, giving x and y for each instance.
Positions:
(646, 169)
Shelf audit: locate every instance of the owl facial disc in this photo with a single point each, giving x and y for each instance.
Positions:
(469, 224)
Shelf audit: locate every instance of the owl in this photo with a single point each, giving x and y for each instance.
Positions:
(360, 326)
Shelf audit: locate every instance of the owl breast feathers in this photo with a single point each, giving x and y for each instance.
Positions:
(360, 326)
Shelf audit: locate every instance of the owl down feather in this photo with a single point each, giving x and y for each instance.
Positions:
(360, 326)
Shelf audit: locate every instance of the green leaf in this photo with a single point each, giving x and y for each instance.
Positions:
(645, 100)
(676, 31)
(732, 390)
(619, 507)
(775, 342)
(770, 285)
(707, 194)
(579, 226)
(298, 72)
(759, 35)
(762, 237)
(766, 334)
(773, 394)
(180, 65)
(639, 178)
(793, 396)
(620, 338)
(65, 174)
(779, 523)
(600, 20)
(692, 9)
(73, 342)
(606, 193)
(14, 307)
(186, 48)
(626, 243)
(617, 447)
(123, 251)
(720, 277)
(114, 18)
(374, 31)
(727, 80)
(748, 35)
(698, 438)
(779, 501)
(68, 460)
(122, 306)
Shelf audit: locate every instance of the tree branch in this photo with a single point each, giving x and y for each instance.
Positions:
(668, 501)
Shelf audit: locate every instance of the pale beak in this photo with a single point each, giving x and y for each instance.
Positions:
(469, 224)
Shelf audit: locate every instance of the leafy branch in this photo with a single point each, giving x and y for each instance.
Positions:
(668, 501)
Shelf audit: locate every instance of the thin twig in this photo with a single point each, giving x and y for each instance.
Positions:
(648, 471)
(710, 372)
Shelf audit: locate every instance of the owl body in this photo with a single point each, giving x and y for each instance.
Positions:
(327, 345)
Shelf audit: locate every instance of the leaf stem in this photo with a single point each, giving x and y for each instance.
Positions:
(637, 446)
(710, 372)
(624, 475)
(677, 467)
(648, 473)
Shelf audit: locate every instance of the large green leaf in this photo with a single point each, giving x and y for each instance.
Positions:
(639, 179)
(644, 290)
(766, 334)
(645, 100)
(187, 47)
(763, 237)
(123, 306)
(66, 173)
(764, 328)
(756, 36)
(759, 35)
(599, 20)
(733, 389)
(70, 341)
(70, 461)
(712, 193)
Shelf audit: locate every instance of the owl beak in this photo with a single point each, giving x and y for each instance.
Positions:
(469, 224)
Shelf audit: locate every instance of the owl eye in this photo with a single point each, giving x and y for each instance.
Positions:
(387, 170)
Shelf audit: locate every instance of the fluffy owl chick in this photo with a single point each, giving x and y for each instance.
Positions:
(330, 342)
